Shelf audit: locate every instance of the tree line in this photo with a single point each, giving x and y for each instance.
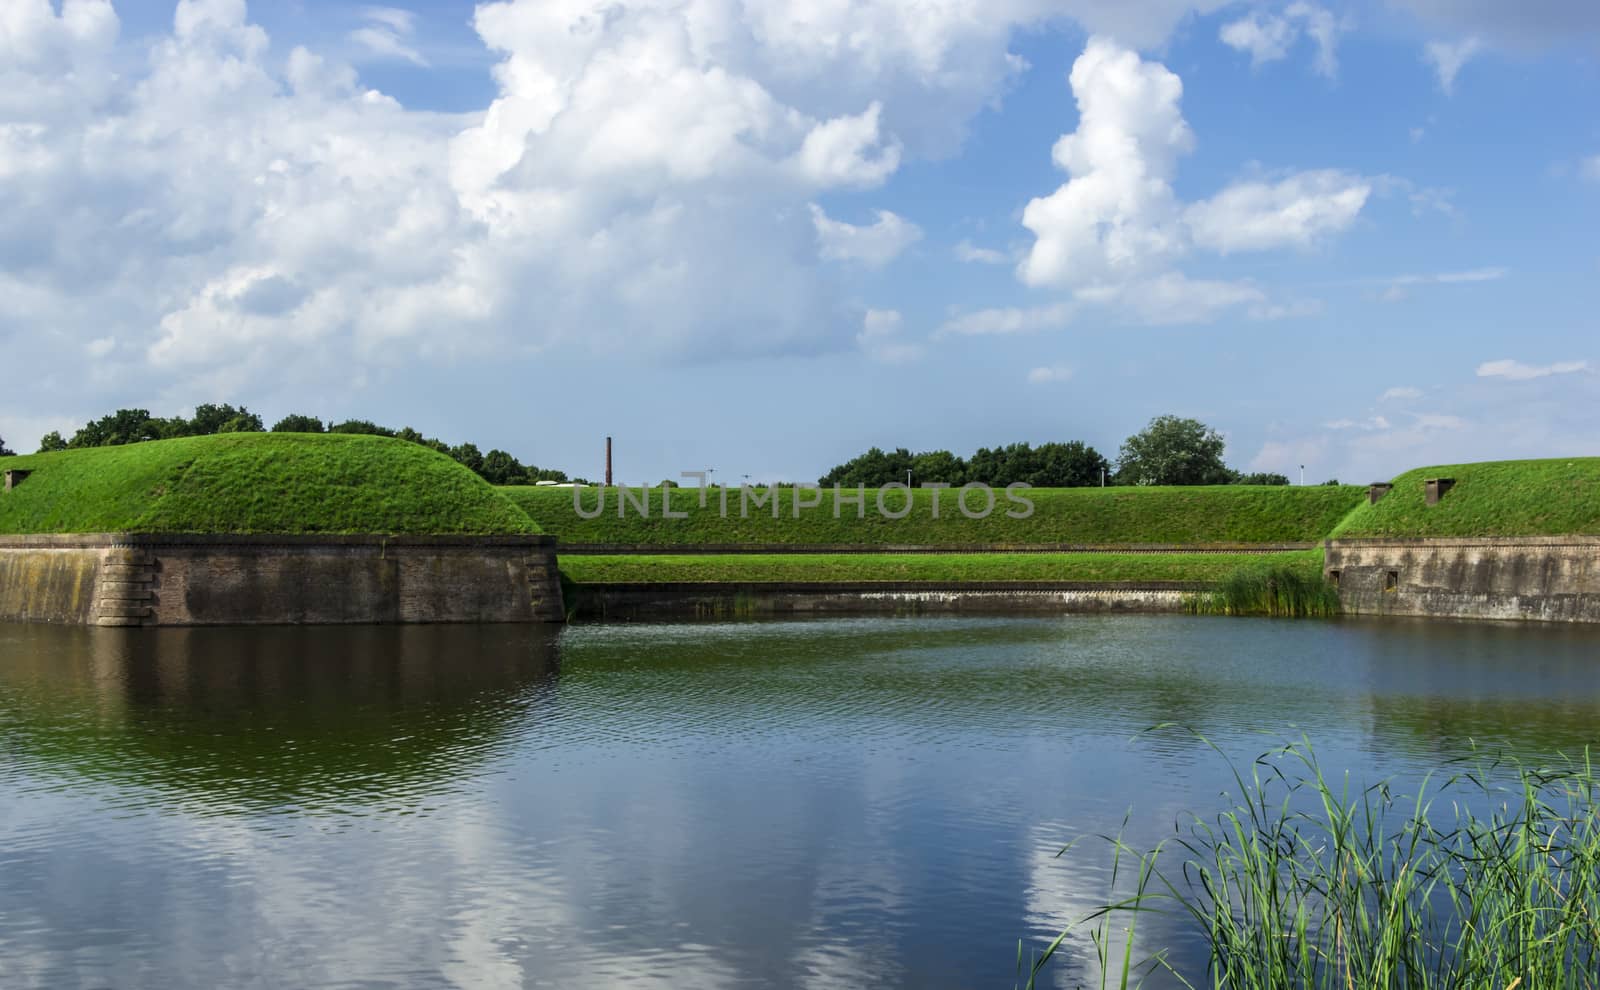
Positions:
(1169, 451)
(127, 426)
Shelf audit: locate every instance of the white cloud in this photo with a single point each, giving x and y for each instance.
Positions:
(1051, 374)
(1116, 217)
(880, 337)
(1447, 58)
(1290, 310)
(639, 183)
(386, 34)
(1174, 298)
(1400, 393)
(873, 245)
(1267, 37)
(1009, 320)
(1294, 212)
(849, 151)
(967, 251)
(1518, 372)
(1113, 231)
(1399, 286)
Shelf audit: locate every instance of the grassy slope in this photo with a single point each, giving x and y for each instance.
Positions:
(1242, 514)
(736, 568)
(255, 483)
(1496, 498)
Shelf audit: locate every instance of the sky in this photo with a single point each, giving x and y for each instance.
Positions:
(760, 237)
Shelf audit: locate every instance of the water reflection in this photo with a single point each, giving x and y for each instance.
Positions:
(788, 804)
(324, 720)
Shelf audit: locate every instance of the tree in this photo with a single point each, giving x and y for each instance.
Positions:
(1066, 465)
(361, 427)
(52, 442)
(1262, 478)
(872, 469)
(468, 454)
(1173, 451)
(938, 465)
(296, 423)
(211, 419)
(500, 468)
(4, 452)
(121, 427)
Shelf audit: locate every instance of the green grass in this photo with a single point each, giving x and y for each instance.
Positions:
(1488, 879)
(1193, 515)
(255, 483)
(869, 567)
(1557, 497)
(1291, 589)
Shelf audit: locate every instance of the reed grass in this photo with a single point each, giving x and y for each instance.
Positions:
(1273, 589)
(1488, 877)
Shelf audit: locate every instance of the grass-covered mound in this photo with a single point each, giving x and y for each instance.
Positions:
(1192, 515)
(889, 567)
(1557, 497)
(255, 483)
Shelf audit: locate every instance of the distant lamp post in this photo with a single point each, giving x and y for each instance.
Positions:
(908, 477)
(1302, 476)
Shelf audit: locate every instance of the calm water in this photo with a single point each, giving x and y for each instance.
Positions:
(799, 804)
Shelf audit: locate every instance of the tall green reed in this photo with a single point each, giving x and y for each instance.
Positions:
(1486, 878)
(1280, 591)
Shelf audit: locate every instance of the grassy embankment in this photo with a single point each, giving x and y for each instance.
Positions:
(1117, 516)
(1557, 497)
(1109, 517)
(255, 483)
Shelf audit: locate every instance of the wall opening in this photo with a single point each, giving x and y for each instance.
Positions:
(1333, 578)
(1391, 580)
(1377, 490)
(1435, 488)
(15, 477)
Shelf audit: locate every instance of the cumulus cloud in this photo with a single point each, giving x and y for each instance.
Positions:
(1295, 212)
(874, 245)
(1113, 231)
(1116, 216)
(1009, 320)
(1267, 37)
(1400, 393)
(1518, 372)
(640, 181)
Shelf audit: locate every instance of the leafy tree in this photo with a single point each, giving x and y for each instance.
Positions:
(361, 427)
(469, 455)
(500, 468)
(1331, 481)
(296, 423)
(1173, 451)
(872, 469)
(537, 474)
(211, 419)
(121, 427)
(4, 451)
(938, 465)
(1262, 478)
(52, 442)
(1066, 465)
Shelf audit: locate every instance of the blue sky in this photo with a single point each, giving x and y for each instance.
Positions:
(761, 237)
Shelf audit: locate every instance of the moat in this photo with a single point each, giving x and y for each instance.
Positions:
(827, 803)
